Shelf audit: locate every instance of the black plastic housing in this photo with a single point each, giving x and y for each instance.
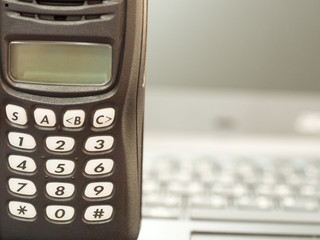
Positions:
(122, 24)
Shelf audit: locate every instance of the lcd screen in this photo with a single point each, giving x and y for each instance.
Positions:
(60, 63)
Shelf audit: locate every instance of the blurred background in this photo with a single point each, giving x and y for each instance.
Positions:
(233, 67)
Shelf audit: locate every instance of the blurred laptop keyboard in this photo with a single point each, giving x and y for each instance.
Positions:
(213, 188)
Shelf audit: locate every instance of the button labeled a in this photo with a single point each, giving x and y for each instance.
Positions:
(45, 117)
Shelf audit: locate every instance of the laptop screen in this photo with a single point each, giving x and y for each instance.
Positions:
(247, 67)
(243, 45)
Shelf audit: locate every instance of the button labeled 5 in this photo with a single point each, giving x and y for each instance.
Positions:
(60, 167)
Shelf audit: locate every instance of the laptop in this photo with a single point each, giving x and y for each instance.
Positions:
(232, 147)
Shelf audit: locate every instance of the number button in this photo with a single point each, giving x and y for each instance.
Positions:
(16, 114)
(21, 140)
(60, 167)
(22, 210)
(22, 164)
(74, 118)
(60, 189)
(60, 213)
(98, 213)
(22, 187)
(103, 117)
(98, 190)
(99, 143)
(99, 166)
(45, 117)
(60, 144)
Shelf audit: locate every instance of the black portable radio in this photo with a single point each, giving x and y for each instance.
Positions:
(72, 103)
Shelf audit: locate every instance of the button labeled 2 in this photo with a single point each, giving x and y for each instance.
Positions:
(60, 144)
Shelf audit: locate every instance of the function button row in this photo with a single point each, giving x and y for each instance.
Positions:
(60, 190)
(60, 143)
(74, 118)
(60, 167)
(60, 213)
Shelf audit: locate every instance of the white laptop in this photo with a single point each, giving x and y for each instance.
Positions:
(232, 147)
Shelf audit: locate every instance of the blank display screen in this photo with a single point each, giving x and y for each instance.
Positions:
(60, 63)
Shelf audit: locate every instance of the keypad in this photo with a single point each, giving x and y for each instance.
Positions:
(60, 187)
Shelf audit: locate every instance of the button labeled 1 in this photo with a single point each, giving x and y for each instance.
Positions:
(21, 140)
